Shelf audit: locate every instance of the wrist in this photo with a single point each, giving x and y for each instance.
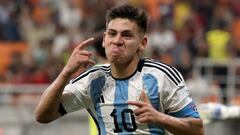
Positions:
(161, 118)
(65, 75)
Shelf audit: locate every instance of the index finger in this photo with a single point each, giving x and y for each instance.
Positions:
(85, 43)
(136, 103)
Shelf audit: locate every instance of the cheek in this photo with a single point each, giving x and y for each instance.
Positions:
(107, 51)
(132, 48)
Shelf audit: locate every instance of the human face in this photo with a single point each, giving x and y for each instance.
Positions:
(123, 40)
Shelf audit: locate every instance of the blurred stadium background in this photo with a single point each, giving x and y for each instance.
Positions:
(200, 37)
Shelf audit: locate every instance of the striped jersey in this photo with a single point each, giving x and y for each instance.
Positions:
(105, 97)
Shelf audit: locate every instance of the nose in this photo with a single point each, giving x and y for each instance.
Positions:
(118, 40)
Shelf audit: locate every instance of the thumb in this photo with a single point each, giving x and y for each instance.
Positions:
(144, 97)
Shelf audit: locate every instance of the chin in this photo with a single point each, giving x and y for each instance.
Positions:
(116, 61)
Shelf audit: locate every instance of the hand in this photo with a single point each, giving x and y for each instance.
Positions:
(80, 58)
(145, 113)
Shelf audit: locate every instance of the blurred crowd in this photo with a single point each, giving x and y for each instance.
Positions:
(179, 32)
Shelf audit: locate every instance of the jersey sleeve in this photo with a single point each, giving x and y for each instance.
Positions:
(75, 96)
(177, 100)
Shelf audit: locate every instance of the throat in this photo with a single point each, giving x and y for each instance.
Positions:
(122, 71)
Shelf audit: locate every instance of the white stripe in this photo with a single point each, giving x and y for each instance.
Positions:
(174, 72)
(174, 79)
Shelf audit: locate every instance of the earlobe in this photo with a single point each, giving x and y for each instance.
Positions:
(141, 48)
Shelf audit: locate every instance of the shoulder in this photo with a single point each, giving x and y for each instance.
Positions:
(157, 67)
(93, 72)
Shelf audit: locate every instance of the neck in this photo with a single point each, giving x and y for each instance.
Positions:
(124, 70)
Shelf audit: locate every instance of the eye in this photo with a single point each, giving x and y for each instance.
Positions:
(111, 33)
(127, 34)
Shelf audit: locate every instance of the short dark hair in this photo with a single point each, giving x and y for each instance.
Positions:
(129, 12)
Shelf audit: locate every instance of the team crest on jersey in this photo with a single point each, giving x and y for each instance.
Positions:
(194, 107)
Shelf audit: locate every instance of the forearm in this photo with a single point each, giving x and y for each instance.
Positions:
(181, 126)
(47, 109)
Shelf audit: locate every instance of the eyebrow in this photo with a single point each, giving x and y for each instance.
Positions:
(127, 30)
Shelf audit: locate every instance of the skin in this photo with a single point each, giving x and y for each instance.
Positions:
(146, 113)
(47, 108)
(123, 42)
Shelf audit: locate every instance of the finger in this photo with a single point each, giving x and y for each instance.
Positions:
(141, 115)
(136, 103)
(84, 43)
(91, 62)
(143, 119)
(144, 97)
(85, 53)
(140, 111)
(85, 58)
(88, 62)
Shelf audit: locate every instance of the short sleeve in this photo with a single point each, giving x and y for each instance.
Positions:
(75, 97)
(175, 97)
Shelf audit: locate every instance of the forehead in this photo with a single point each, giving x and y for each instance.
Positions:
(121, 24)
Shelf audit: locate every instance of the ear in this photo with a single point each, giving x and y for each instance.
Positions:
(103, 41)
(143, 44)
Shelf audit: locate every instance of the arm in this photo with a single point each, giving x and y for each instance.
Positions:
(178, 126)
(47, 109)
(48, 106)
(181, 126)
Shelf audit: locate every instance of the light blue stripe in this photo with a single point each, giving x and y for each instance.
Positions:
(150, 84)
(96, 91)
(188, 111)
(120, 103)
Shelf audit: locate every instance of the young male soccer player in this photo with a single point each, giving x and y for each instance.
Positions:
(130, 95)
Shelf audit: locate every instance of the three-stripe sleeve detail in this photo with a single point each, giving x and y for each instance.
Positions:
(170, 71)
(106, 69)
